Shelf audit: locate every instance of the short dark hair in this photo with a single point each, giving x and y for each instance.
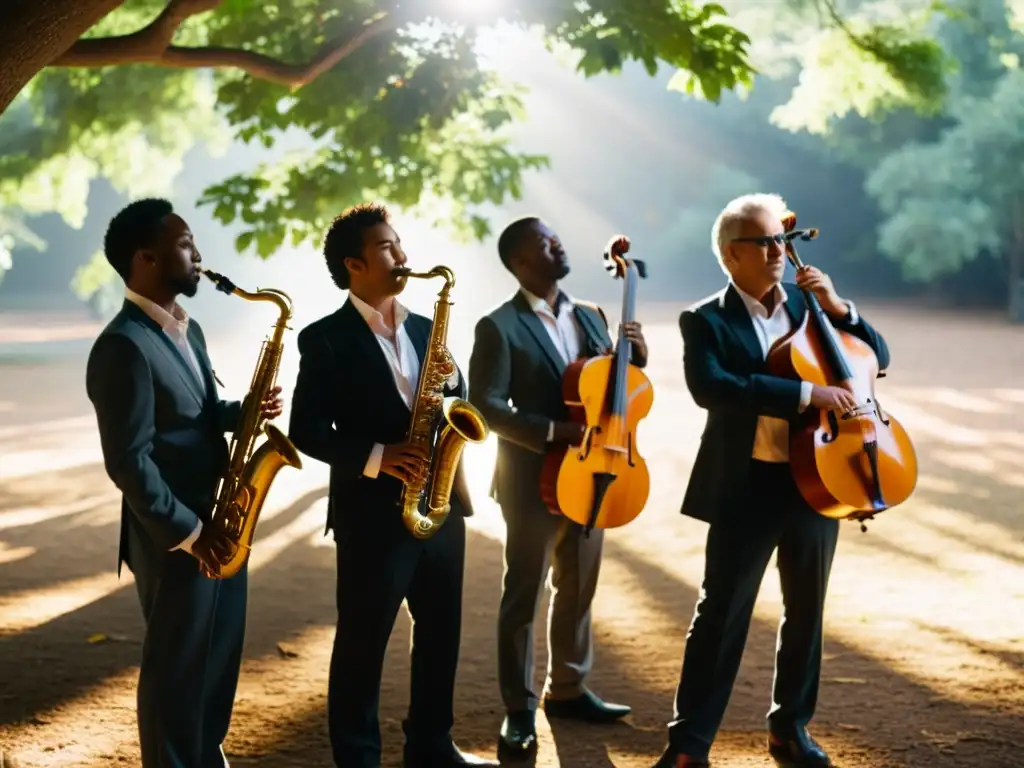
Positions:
(344, 238)
(513, 236)
(136, 226)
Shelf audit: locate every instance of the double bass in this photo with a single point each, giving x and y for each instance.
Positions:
(603, 481)
(847, 466)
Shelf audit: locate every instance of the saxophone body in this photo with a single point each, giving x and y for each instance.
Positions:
(244, 487)
(460, 422)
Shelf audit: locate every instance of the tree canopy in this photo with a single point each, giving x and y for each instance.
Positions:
(391, 94)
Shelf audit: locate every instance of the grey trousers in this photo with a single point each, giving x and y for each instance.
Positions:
(537, 542)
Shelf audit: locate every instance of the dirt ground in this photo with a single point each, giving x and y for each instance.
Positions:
(925, 622)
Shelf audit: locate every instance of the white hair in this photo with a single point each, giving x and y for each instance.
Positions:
(739, 210)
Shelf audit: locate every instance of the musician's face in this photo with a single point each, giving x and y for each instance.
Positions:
(173, 261)
(382, 252)
(755, 266)
(542, 256)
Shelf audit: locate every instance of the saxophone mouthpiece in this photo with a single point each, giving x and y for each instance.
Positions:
(223, 284)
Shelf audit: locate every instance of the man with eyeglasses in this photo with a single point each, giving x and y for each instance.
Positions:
(741, 485)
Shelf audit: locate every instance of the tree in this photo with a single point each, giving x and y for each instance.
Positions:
(948, 197)
(954, 200)
(390, 93)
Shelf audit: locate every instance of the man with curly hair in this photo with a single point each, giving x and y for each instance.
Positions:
(359, 368)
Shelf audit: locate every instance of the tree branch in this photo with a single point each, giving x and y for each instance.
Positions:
(152, 45)
(146, 45)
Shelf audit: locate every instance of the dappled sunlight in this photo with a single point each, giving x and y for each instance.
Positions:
(54, 448)
(20, 611)
(9, 554)
(24, 610)
(266, 548)
(16, 518)
(79, 732)
(924, 655)
(924, 559)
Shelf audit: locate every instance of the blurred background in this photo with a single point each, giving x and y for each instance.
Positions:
(893, 126)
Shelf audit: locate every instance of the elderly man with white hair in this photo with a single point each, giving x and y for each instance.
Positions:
(741, 485)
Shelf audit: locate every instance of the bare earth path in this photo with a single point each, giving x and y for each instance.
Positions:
(925, 624)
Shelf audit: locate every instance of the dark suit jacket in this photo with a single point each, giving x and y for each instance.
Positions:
(346, 400)
(162, 434)
(515, 379)
(727, 375)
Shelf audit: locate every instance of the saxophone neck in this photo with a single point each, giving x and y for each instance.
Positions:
(280, 299)
(439, 271)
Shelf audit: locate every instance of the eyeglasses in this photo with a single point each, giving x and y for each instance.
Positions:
(764, 240)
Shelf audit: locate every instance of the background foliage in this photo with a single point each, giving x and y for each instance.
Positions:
(906, 110)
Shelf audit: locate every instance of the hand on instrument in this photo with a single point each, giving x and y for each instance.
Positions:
(568, 432)
(817, 282)
(448, 369)
(618, 245)
(839, 399)
(273, 406)
(213, 546)
(636, 337)
(404, 461)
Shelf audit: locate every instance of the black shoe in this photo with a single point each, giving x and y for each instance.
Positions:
(449, 758)
(587, 707)
(673, 759)
(798, 751)
(518, 737)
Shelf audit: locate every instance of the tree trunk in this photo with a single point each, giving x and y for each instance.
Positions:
(35, 32)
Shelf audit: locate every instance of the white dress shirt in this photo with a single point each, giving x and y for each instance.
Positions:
(771, 440)
(402, 359)
(175, 326)
(563, 328)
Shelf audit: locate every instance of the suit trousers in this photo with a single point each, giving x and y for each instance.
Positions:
(380, 565)
(537, 542)
(739, 547)
(191, 656)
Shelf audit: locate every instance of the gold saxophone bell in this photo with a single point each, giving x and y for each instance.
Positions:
(461, 421)
(245, 485)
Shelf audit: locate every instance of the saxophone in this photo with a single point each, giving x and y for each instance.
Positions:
(244, 486)
(463, 423)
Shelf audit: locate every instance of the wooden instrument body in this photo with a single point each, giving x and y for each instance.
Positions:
(834, 465)
(609, 445)
(603, 482)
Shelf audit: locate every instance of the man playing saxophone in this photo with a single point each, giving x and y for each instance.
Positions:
(354, 400)
(162, 425)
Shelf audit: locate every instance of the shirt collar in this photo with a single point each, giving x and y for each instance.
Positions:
(537, 304)
(374, 318)
(175, 320)
(754, 306)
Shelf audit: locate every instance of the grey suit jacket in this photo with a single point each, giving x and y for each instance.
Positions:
(162, 433)
(515, 379)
